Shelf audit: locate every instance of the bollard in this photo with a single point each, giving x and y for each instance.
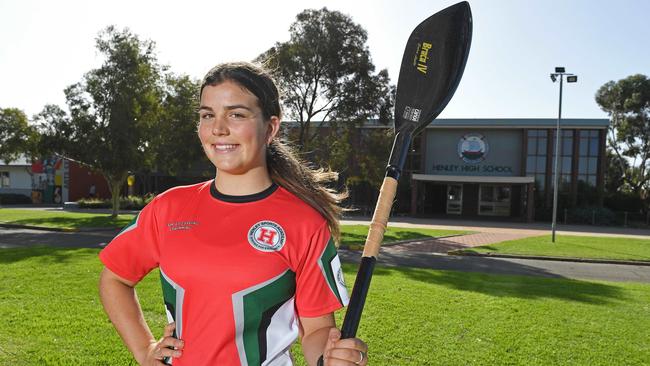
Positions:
(565, 216)
(647, 218)
(625, 219)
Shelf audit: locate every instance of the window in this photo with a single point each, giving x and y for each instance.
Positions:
(536, 156)
(4, 180)
(565, 160)
(414, 157)
(588, 158)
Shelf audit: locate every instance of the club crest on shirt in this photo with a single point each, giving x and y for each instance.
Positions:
(339, 277)
(266, 236)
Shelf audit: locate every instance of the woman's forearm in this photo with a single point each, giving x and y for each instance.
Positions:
(123, 309)
(314, 344)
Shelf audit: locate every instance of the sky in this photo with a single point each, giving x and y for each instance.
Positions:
(47, 45)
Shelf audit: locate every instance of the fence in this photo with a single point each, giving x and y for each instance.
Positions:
(596, 216)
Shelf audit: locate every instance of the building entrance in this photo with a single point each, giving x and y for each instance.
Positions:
(454, 199)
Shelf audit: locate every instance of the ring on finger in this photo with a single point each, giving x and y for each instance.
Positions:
(361, 357)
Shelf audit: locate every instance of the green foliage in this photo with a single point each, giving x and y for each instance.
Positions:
(412, 317)
(175, 142)
(359, 154)
(614, 180)
(325, 73)
(623, 201)
(112, 111)
(126, 203)
(17, 136)
(593, 215)
(627, 101)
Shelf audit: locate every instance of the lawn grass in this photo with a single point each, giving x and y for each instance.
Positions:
(350, 234)
(50, 315)
(356, 234)
(61, 219)
(573, 246)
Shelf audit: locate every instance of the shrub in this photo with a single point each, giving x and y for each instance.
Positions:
(93, 203)
(585, 215)
(126, 203)
(624, 201)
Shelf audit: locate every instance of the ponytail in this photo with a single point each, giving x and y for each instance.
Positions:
(307, 183)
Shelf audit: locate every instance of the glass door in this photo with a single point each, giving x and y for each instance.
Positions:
(494, 200)
(454, 199)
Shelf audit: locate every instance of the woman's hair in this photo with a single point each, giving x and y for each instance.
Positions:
(285, 167)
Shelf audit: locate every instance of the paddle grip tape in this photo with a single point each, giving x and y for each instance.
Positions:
(358, 298)
(380, 217)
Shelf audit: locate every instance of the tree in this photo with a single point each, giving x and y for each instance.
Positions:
(325, 73)
(613, 178)
(17, 136)
(176, 143)
(112, 111)
(627, 101)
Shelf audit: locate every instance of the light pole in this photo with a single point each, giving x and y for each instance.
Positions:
(570, 78)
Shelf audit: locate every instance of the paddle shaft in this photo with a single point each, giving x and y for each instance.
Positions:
(375, 236)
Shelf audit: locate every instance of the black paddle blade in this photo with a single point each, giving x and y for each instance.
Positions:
(432, 66)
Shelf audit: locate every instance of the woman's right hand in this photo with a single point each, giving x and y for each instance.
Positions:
(167, 346)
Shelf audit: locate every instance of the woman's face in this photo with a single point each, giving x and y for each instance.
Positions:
(232, 129)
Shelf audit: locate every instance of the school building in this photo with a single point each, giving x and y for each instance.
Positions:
(504, 167)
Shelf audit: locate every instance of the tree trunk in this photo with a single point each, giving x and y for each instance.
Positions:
(115, 186)
(115, 197)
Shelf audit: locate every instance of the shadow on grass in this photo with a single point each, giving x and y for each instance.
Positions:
(73, 222)
(26, 243)
(495, 278)
(352, 239)
(486, 247)
(513, 286)
(404, 235)
(47, 254)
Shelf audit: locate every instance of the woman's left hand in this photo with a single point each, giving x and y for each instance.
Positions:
(344, 352)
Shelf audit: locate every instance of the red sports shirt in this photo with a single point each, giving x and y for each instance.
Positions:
(236, 272)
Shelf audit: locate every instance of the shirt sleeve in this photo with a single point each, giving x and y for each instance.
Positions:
(320, 286)
(134, 252)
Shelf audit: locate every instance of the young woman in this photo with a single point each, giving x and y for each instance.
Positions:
(247, 260)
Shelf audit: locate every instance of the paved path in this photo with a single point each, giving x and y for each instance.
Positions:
(514, 228)
(444, 245)
(390, 256)
(432, 253)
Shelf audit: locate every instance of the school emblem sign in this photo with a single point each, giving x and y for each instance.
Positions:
(266, 236)
(473, 148)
